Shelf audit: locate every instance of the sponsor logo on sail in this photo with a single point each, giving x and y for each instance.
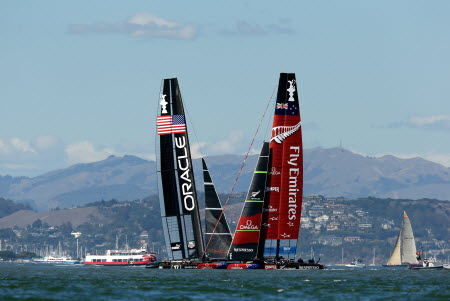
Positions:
(277, 189)
(248, 226)
(163, 103)
(242, 250)
(291, 90)
(284, 235)
(294, 188)
(274, 172)
(185, 169)
(270, 209)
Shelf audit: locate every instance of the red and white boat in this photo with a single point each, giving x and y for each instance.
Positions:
(126, 257)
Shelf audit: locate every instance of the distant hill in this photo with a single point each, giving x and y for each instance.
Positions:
(328, 172)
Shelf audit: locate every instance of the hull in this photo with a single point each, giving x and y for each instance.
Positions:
(244, 266)
(303, 266)
(355, 266)
(131, 257)
(213, 265)
(177, 266)
(58, 261)
(131, 263)
(427, 268)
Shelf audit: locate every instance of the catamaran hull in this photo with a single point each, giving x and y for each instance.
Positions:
(213, 266)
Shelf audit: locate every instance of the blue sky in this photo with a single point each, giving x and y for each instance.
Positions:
(80, 80)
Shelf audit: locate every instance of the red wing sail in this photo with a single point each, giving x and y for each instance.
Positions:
(283, 204)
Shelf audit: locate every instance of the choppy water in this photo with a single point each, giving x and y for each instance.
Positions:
(52, 282)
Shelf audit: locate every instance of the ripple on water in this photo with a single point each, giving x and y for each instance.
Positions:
(40, 282)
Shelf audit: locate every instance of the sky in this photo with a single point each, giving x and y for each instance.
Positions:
(80, 80)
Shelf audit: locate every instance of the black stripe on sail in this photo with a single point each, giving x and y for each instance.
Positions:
(247, 236)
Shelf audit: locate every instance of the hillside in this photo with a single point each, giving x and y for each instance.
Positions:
(328, 225)
(328, 172)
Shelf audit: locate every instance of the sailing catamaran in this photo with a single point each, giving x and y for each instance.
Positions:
(267, 232)
(404, 252)
(176, 185)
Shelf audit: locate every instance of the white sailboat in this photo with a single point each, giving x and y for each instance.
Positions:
(404, 252)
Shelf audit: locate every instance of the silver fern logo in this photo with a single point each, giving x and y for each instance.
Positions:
(254, 194)
(279, 133)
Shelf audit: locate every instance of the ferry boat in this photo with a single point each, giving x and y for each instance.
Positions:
(126, 257)
(58, 259)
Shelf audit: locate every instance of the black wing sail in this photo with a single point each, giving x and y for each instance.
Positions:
(218, 240)
(247, 238)
(178, 196)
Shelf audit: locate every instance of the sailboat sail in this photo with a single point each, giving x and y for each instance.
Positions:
(218, 238)
(408, 244)
(178, 197)
(283, 201)
(247, 235)
(396, 258)
(405, 247)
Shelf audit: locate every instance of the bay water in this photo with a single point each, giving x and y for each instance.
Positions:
(77, 282)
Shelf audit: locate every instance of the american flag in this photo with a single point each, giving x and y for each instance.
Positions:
(171, 124)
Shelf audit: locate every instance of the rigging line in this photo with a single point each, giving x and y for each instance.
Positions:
(195, 133)
(240, 169)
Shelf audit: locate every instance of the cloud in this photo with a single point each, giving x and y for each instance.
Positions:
(43, 143)
(196, 150)
(15, 145)
(142, 24)
(228, 145)
(84, 152)
(434, 122)
(245, 28)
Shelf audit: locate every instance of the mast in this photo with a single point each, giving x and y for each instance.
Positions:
(247, 235)
(176, 185)
(283, 200)
(218, 239)
(408, 245)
